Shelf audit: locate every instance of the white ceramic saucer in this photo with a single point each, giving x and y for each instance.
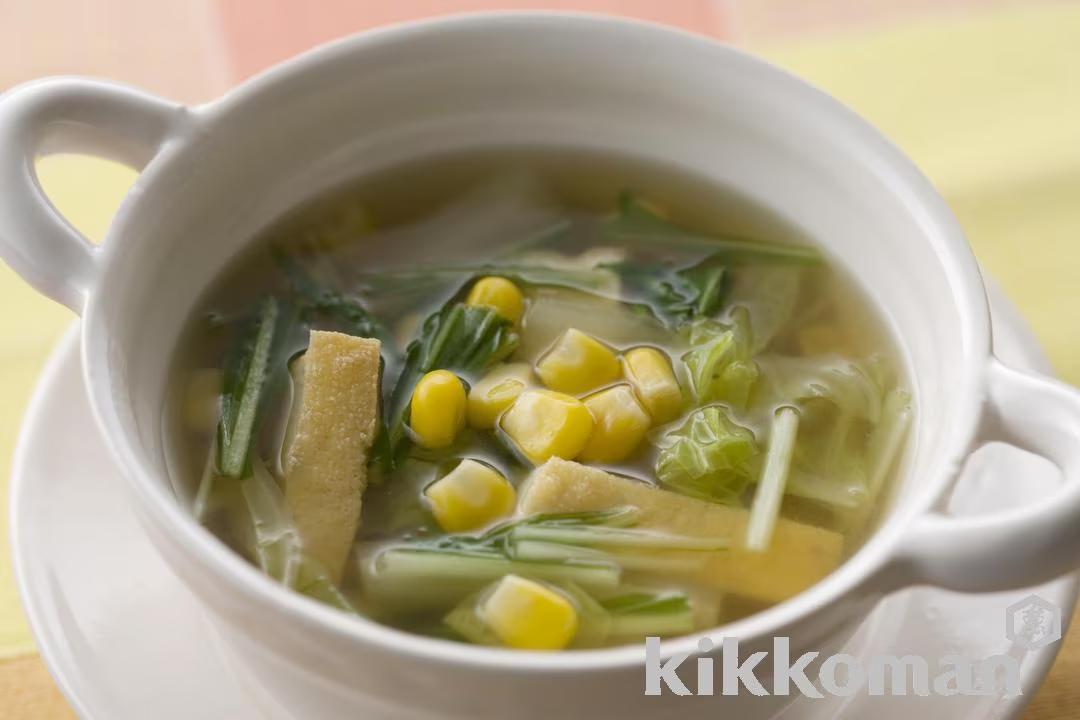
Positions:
(126, 641)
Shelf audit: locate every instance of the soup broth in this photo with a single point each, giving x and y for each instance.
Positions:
(539, 401)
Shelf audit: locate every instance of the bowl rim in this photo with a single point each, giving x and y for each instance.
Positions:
(175, 526)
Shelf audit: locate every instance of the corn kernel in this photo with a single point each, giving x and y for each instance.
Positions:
(620, 425)
(578, 363)
(470, 496)
(497, 391)
(499, 294)
(202, 400)
(526, 615)
(437, 412)
(545, 424)
(649, 371)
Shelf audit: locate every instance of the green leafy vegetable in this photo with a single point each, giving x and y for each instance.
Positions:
(413, 577)
(608, 537)
(710, 457)
(675, 296)
(462, 338)
(321, 302)
(721, 364)
(248, 371)
(467, 338)
(767, 279)
(710, 283)
(591, 549)
(638, 227)
(496, 538)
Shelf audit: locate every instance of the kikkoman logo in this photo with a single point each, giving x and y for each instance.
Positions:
(1031, 624)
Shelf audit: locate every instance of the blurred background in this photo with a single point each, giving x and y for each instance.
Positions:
(984, 95)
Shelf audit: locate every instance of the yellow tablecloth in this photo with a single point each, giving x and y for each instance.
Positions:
(88, 191)
(988, 106)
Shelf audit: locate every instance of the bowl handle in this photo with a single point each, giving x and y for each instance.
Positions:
(1016, 548)
(67, 115)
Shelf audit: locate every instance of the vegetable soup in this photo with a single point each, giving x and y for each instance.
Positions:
(538, 400)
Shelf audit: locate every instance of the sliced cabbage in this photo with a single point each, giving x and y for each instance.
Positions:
(721, 364)
(851, 431)
(853, 387)
(710, 457)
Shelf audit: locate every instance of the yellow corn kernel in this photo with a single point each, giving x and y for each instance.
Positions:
(202, 400)
(437, 412)
(500, 294)
(620, 425)
(545, 424)
(526, 615)
(470, 496)
(649, 371)
(578, 363)
(497, 391)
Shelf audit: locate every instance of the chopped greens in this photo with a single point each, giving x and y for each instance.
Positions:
(422, 565)
(462, 338)
(710, 457)
(675, 296)
(589, 549)
(721, 364)
(608, 537)
(322, 302)
(248, 371)
(639, 227)
(467, 338)
(497, 536)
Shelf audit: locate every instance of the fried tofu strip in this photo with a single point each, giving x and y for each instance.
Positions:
(333, 427)
(799, 556)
